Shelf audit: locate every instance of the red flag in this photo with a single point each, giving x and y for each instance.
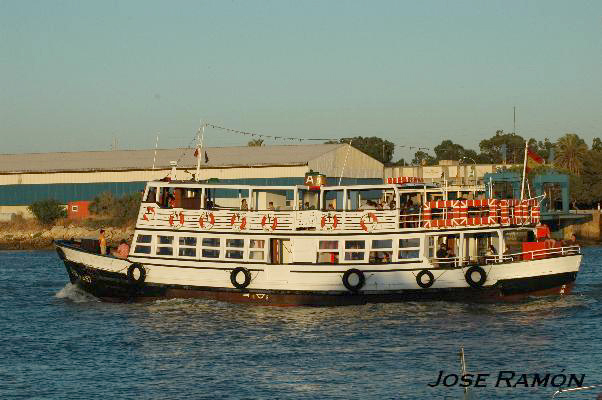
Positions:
(533, 160)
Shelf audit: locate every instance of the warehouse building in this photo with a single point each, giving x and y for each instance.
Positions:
(81, 176)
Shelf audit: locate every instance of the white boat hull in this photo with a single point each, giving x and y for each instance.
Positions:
(314, 284)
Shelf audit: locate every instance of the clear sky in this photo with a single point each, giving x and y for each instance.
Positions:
(74, 74)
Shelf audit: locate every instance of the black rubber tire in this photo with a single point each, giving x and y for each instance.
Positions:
(430, 281)
(141, 276)
(235, 272)
(360, 283)
(478, 283)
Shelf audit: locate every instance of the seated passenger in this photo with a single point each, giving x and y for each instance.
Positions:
(123, 250)
(271, 206)
(442, 256)
(243, 205)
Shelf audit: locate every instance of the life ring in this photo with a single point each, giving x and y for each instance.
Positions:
(149, 214)
(238, 222)
(354, 285)
(269, 222)
(369, 221)
(176, 220)
(207, 220)
(425, 279)
(141, 274)
(234, 277)
(329, 222)
(470, 276)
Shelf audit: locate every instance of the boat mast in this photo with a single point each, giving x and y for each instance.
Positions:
(200, 135)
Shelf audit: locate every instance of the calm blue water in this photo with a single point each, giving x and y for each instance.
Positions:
(57, 343)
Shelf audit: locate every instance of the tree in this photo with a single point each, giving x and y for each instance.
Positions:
(103, 204)
(47, 211)
(423, 158)
(545, 149)
(121, 210)
(492, 148)
(571, 151)
(375, 147)
(597, 144)
(255, 143)
(449, 150)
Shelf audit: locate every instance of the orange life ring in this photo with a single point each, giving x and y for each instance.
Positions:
(269, 222)
(208, 218)
(149, 214)
(372, 221)
(329, 222)
(238, 221)
(176, 220)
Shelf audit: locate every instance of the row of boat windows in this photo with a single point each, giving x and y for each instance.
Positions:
(210, 247)
(380, 251)
(328, 251)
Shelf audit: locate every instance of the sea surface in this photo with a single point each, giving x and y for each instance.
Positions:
(59, 343)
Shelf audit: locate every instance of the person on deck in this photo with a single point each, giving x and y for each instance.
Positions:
(123, 250)
(442, 255)
(102, 242)
(271, 206)
(243, 205)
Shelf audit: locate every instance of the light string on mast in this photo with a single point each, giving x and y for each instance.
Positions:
(286, 138)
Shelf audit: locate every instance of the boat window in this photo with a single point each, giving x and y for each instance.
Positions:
(329, 244)
(333, 200)
(142, 249)
(210, 242)
(410, 242)
(187, 252)
(351, 250)
(164, 251)
(382, 244)
(409, 248)
(210, 252)
(237, 254)
(187, 246)
(236, 244)
(328, 251)
(480, 247)
(257, 251)
(384, 254)
(366, 199)
(143, 239)
(187, 241)
(165, 240)
(164, 245)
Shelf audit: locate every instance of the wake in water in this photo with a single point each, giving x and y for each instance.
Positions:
(75, 294)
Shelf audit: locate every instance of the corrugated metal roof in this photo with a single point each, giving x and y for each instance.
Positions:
(242, 156)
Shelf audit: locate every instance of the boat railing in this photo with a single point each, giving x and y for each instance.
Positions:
(542, 253)
(360, 220)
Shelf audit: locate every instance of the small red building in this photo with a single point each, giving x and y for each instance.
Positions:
(78, 209)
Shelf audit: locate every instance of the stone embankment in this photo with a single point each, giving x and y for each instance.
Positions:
(32, 238)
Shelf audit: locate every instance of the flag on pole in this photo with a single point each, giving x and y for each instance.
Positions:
(533, 160)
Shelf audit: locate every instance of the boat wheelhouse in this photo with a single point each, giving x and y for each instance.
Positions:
(317, 245)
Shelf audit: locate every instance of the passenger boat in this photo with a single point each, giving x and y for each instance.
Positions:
(326, 245)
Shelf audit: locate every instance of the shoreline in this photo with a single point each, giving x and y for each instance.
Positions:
(16, 238)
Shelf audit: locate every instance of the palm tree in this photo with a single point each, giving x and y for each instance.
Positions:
(570, 153)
